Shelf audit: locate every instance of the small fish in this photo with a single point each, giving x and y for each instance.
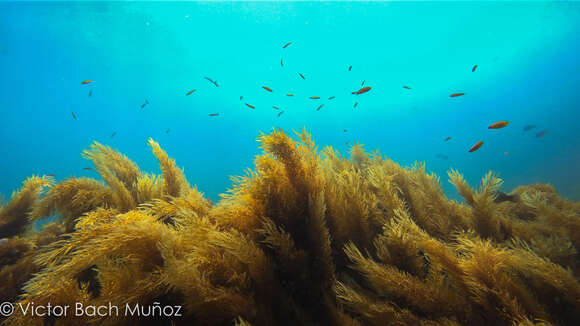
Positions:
(406, 87)
(51, 175)
(363, 83)
(276, 108)
(113, 134)
(301, 75)
(282, 62)
(541, 133)
(447, 138)
(212, 81)
(362, 90)
(289, 94)
(87, 169)
(267, 88)
(529, 127)
(345, 130)
(473, 69)
(506, 153)
(241, 98)
(190, 92)
(90, 92)
(250, 106)
(286, 45)
(320, 107)
(143, 105)
(441, 156)
(476, 146)
(167, 131)
(349, 68)
(86, 82)
(214, 114)
(456, 94)
(73, 115)
(355, 104)
(279, 114)
(331, 98)
(314, 97)
(498, 125)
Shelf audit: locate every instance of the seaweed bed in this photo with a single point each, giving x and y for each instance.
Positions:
(306, 238)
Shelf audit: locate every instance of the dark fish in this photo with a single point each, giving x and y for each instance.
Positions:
(250, 106)
(87, 169)
(441, 156)
(73, 115)
(406, 87)
(282, 62)
(267, 88)
(345, 130)
(456, 94)
(301, 75)
(214, 114)
(363, 83)
(447, 138)
(90, 92)
(476, 146)
(355, 104)
(167, 131)
(143, 105)
(529, 127)
(279, 114)
(501, 197)
(51, 175)
(286, 45)
(241, 97)
(349, 68)
(212, 81)
(190, 92)
(113, 134)
(473, 69)
(331, 98)
(541, 133)
(320, 107)
(275, 107)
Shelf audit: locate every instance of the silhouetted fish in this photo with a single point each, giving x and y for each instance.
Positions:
(542, 133)
(320, 107)
(331, 98)
(212, 81)
(279, 114)
(473, 69)
(73, 115)
(90, 93)
(214, 114)
(301, 75)
(241, 98)
(529, 127)
(349, 68)
(355, 104)
(113, 134)
(501, 197)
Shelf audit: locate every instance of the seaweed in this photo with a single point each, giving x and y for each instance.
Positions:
(307, 237)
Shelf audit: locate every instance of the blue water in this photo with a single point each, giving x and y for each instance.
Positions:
(528, 73)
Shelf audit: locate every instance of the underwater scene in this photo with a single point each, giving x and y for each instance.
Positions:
(290, 163)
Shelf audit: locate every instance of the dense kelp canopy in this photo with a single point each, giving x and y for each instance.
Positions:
(307, 237)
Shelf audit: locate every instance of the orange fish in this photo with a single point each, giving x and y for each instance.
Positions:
(190, 92)
(362, 90)
(86, 82)
(476, 146)
(285, 45)
(87, 168)
(73, 115)
(498, 125)
(456, 94)
(473, 69)
(301, 75)
(51, 175)
(314, 97)
(267, 88)
(213, 114)
(289, 94)
(447, 138)
(250, 106)
(406, 87)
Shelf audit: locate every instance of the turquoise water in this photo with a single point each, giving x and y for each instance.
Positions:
(528, 74)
